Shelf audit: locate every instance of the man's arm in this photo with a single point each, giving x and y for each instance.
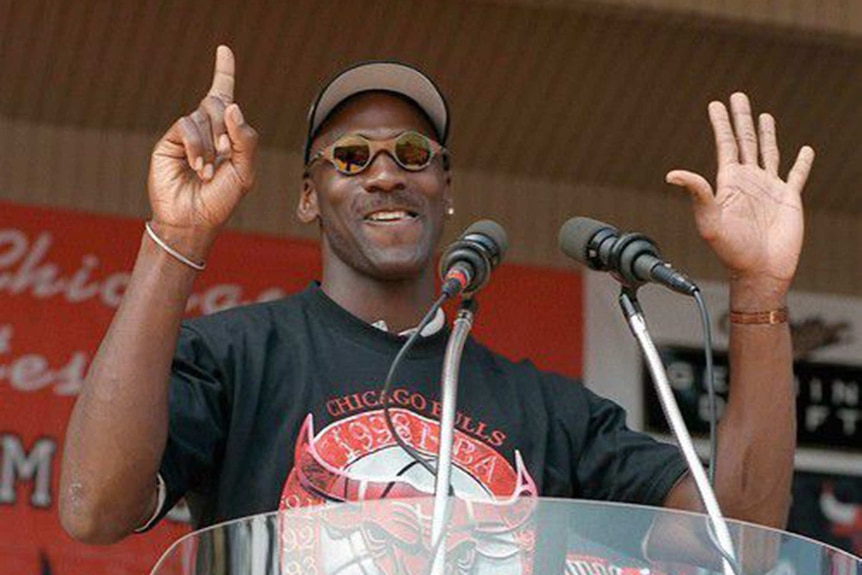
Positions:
(753, 222)
(199, 171)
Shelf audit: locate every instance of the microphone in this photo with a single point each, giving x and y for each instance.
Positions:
(466, 264)
(633, 259)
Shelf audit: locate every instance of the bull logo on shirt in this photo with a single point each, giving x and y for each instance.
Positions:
(356, 459)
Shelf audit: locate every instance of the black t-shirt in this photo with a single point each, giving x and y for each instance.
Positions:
(278, 404)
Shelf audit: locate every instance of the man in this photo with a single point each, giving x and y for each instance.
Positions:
(276, 405)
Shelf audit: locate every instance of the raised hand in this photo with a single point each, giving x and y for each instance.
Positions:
(203, 165)
(753, 221)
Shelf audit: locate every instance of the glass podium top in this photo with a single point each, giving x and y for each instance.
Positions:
(526, 536)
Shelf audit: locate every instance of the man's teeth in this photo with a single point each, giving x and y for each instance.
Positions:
(389, 216)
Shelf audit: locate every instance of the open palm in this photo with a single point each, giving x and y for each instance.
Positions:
(753, 221)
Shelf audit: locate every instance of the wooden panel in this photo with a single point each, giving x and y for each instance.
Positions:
(607, 92)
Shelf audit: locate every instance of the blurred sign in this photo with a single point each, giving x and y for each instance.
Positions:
(828, 398)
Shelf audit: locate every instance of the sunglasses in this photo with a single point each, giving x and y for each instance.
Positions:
(352, 153)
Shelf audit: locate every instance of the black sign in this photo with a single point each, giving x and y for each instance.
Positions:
(828, 397)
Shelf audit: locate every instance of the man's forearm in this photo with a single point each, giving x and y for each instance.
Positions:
(117, 432)
(757, 434)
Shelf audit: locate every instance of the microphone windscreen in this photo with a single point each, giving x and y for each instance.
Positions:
(575, 236)
(492, 230)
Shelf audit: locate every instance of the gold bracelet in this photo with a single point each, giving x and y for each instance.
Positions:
(771, 317)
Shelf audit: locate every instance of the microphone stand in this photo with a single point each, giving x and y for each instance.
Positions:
(634, 316)
(449, 392)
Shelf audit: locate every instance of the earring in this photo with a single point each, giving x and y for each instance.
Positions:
(450, 211)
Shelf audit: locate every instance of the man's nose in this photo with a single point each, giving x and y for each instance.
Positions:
(384, 174)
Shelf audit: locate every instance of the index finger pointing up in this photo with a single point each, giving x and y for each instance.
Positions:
(223, 76)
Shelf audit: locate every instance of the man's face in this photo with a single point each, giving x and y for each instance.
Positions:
(385, 221)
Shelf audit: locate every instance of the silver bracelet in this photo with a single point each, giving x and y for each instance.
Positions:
(177, 255)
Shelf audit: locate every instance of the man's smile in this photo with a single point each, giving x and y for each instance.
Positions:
(390, 216)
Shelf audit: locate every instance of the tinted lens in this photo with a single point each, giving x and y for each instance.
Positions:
(351, 155)
(413, 151)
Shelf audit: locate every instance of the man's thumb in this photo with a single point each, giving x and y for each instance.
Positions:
(695, 184)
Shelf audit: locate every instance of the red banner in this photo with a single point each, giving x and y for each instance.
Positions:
(62, 275)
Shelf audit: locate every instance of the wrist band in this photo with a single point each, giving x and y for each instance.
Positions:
(177, 255)
(771, 317)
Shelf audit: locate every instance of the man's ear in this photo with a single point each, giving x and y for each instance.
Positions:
(307, 209)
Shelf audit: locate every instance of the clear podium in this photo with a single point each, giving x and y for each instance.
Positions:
(529, 536)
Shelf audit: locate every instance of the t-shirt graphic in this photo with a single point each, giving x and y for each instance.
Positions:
(356, 459)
